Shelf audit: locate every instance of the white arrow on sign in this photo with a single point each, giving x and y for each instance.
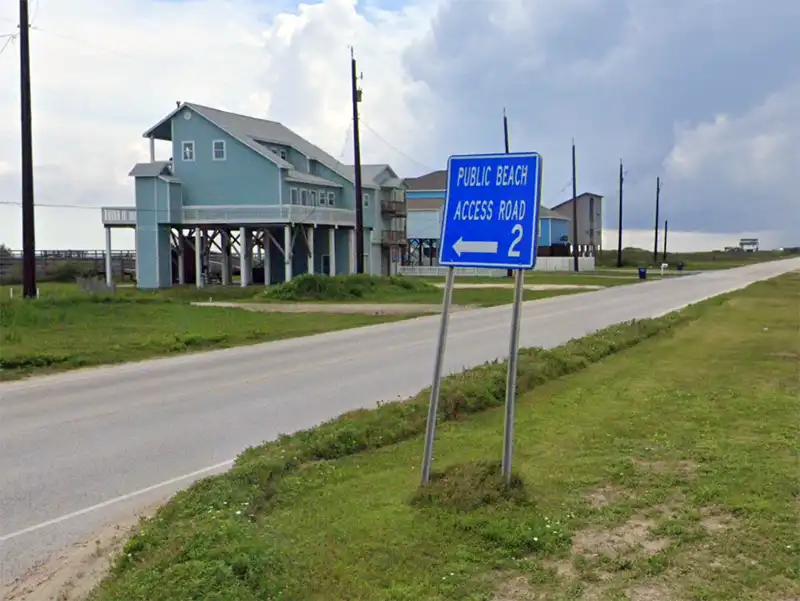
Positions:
(474, 246)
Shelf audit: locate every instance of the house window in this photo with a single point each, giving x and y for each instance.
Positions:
(331, 198)
(274, 150)
(365, 198)
(187, 151)
(293, 195)
(303, 197)
(313, 197)
(283, 154)
(322, 197)
(218, 150)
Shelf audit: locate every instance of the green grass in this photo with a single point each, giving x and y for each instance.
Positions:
(53, 334)
(697, 261)
(372, 289)
(668, 470)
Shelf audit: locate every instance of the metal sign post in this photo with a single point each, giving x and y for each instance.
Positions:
(490, 220)
(433, 407)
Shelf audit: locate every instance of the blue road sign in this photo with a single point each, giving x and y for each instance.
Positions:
(491, 213)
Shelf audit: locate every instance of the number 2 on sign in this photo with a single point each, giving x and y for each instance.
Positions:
(512, 250)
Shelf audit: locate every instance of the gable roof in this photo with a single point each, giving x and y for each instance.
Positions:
(371, 175)
(251, 130)
(435, 180)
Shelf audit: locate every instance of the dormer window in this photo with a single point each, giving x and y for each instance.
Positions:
(283, 154)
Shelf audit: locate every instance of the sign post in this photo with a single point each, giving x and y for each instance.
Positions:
(490, 220)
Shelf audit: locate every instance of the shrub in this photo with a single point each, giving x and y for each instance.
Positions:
(316, 287)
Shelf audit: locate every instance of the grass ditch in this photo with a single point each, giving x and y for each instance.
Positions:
(214, 539)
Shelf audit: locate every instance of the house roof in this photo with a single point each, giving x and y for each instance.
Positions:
(308, 178)
(149, 169)
(435, 180)
(370, 175)
(545, 213)
(425, 204)
(251, 130)
(581, 195)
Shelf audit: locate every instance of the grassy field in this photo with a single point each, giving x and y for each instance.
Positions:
(664, 473)
(697, 261)
(66, 329)
(52, 335)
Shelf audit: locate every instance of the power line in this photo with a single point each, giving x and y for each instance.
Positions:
(10, 39)
(397, 150)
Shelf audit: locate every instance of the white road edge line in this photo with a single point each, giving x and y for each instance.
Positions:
(130, 495)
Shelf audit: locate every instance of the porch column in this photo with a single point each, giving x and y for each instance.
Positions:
(310, 240)
(152, 149)
(225, 239)
(267, 267)
(351, 243)
(287, 252)
(331, 251)
(181, 266)
(244, 256)
(198, 257)
(109, 274)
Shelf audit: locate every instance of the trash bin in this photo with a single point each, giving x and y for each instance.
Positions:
(643, 273)
(680, 265)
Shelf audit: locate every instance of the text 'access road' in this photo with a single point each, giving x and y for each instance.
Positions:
(491, 214)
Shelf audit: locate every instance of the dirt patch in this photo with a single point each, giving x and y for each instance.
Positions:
(605, 495)
(632, 537)
(73, 574)
(563, 568)
(348, 308)
(532, 287)
(515, 589)
(715, 521)
(686, 468)
(650, 592)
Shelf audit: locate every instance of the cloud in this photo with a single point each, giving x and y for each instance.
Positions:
(697, 91)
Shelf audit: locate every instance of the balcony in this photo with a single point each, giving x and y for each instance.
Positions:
(238, 215)
(394, 208)
(393, 238)
(119, 216)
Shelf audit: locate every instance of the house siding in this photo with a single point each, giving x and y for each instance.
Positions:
(152, 239)
(244, 178)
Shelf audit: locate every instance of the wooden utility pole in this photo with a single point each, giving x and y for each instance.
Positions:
(509, 272)
(28, 217)
(357, 167)
(655, 241)
(574, 212)
(666, 230)
(619, 225)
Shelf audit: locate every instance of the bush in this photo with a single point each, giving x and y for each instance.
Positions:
(316, 287)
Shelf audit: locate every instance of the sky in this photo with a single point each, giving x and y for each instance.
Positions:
(701, 93)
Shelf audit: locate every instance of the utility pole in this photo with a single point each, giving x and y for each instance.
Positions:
(619, 226)
(574, 212)
(509, 272)
(357, 167)
(28, 218)
(666, 229)
(655, 241)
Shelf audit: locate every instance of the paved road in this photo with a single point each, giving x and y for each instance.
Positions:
(79, 449)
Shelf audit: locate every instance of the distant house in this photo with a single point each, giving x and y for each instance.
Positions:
(426, 196)
(235, 181)
(590, 221)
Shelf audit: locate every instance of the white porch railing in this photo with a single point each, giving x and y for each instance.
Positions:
(243, 215)
(268, 214)
(119, 216)
(542, 264)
